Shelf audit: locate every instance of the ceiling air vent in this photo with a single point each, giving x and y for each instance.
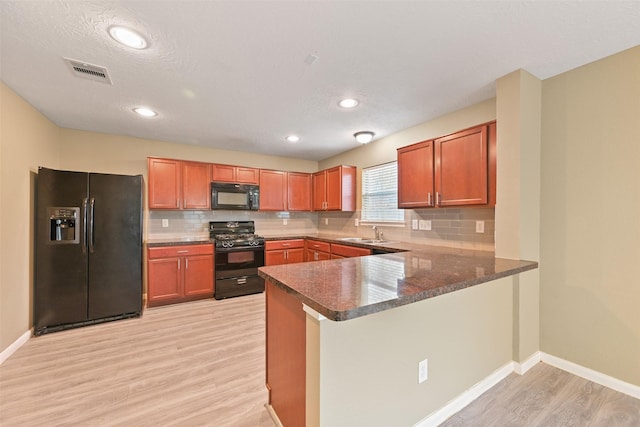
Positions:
(89, 71)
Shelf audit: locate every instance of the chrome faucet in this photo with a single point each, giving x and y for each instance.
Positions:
(378, 234)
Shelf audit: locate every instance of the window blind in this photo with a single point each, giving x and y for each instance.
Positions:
(380, 194)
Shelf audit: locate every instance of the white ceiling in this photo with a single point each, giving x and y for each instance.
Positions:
(232, 74)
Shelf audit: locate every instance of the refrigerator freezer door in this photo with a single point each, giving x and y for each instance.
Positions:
(60, 293)
(115, 242)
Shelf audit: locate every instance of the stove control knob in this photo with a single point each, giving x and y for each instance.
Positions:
(230, 244)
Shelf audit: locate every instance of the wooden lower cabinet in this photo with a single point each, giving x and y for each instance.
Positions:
(317, 250)
(179, 273)
(284, 252)
(345, 251)
(286, 356)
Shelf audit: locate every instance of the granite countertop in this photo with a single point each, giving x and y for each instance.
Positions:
(344, 289)
(178, 241)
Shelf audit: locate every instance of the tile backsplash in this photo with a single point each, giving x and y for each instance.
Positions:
(196, 223)
(453, 227)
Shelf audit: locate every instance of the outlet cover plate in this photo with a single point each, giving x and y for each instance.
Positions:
(425, 224)
(423, 371)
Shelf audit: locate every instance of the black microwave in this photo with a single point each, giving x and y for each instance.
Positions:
(225, 195)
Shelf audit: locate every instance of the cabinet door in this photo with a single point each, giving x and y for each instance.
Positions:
(273, 190)
(164, 280)
(298, 191)
(275, 257)
(223, 173)
(198, 275)
(415, 175)
(196, 184)
(247, 175)
(164, 183)
(319, 191)
(295, 255)
(334, 189)
(461, 168)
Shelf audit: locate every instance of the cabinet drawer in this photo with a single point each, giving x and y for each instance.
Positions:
(348, 251)
(284, 244)
(182, 250)
(319, 246)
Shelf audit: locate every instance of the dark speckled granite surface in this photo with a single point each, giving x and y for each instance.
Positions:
(348, 288)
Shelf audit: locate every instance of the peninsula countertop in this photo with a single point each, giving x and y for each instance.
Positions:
(344, 289)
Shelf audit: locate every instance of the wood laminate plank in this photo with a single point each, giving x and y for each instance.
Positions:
(546, 396)
(197, 363)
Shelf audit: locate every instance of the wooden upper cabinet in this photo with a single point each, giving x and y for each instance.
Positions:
(231, 173)
(298, 191)
(334, 189)
(165, 183)
(196, 185)
(285, 191)
(461, 168)
(319, 185)
(177, 184)
(273, 190)
(415, 175)
(455, 170)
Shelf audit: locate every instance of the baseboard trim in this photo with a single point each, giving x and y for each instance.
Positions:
(533, 360)
(464, 399)
(14, 346)
(273, 415)
(591, 375)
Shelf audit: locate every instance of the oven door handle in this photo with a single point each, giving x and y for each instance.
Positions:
(240, 249)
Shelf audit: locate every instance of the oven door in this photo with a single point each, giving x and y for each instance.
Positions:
(234, 262)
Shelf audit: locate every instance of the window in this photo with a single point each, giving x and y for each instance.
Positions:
(380, 194)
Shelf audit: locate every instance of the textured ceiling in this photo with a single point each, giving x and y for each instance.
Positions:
(232, 74)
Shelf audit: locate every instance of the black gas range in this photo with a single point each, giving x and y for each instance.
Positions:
(238, 254)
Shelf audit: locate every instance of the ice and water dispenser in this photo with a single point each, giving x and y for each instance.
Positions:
(62, 225)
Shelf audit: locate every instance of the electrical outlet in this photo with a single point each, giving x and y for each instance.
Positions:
(414, 224)
(423, 371)
(165, 223)
(284, 221)
(425, 224)
(357, 222)
(479, 226)
(326, 221)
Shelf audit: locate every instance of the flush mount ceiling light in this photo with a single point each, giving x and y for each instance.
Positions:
(364, 137)
(348, 103)
(128, 37)
(292, 138)
(145, 112)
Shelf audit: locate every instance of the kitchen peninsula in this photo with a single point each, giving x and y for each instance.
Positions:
(344, 337)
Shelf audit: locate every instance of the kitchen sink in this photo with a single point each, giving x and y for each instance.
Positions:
(361, 240)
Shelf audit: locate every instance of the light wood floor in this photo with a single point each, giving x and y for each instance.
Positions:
(192, 364)
(202, 364)
(548, 397)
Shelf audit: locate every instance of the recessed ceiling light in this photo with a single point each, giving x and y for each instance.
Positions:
(128, 37)
(145, 112)
(348, 103)
(292, 138)
(364, 137)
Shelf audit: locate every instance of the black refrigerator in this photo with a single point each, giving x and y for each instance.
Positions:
(88, 262)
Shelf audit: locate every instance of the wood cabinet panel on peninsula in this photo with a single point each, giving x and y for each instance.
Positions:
(179, 273)
(454, 170)
(334, 189)
(178, 184)
(284, 252)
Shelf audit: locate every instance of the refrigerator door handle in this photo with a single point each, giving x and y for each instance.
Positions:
(85, 201)
(91, 239)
